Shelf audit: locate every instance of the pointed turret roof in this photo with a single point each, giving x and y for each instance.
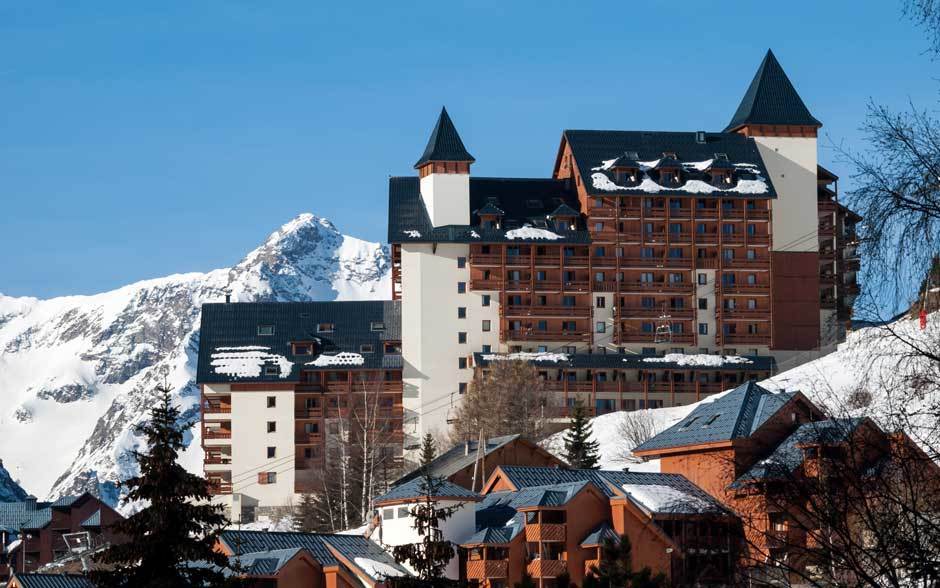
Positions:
(771, 100)
(444, 143)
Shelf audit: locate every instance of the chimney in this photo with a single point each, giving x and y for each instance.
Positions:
(228, 297)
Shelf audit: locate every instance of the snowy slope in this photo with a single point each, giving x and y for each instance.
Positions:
(868, 375)
(77, 372)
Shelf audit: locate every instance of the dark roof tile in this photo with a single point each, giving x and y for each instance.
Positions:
(771, 99)
(444, 143)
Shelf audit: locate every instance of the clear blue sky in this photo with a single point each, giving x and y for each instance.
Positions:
(143, 139)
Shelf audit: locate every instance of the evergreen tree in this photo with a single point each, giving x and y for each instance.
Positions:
(429, 557)
(177, 525)
(615, 570)
(306, 517)
(580, 451)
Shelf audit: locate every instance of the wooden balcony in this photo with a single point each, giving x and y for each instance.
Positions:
(217, 460)
(649, 337)
(308, 438)
(576, 286)
(518, 260)
(547, 285)
(604, 260)
(481, 284)
(742, 289)
(545, 532)
(743, 262)
(590, 564)
(706, 213)
(553, 335)
(706, 263)
(216, 434)
(486, 259)
(640, 312)
(758, 213)
(216, 488)
(743, 338)
(547, 261)
(535, 311)
(575, 260)
(657, 262)
(216, 408)
(636, 286)
(743, 313)
(308, 413)
(732, 213)
(547, 568)
(482, 569)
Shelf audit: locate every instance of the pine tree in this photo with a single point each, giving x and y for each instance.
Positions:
(615, 570)
(306, 518)
(178, 525)
(430, 557)
(580, 451)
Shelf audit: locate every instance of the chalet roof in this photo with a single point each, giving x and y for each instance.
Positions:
(318, 545)
(94, 520)
(600, 533)
(265, 563)
(36, 580)
(732, 415)
(788, 456)
(463, 455)
(524, 201)
(771, 99)
(613, 483)
(231, 348)
(490, 209)
(596, 152)
(444, 144)
(564, 210)
(13, 515)
(623, 361)
(414, 488)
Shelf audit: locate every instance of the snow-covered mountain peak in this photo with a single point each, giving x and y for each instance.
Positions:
(76, 372)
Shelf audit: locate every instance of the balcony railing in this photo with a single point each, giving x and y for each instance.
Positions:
(544, 532)
(308, 413)
(547, 568)
(563, 311)
(744, 288)
(487, 568)
(485, 259)
(743, 313)
(216, 488)
(640, 312)
(308, 438)
(216, 434)
(484, 284)
(630, 286)
(731, 338)
(649, 337)
(218, 460)
(538, 335)
(214, 408)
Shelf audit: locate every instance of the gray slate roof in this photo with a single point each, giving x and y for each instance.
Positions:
(457, 458)
(771, 99)
(591, 148)
(735, 415)
(444, 144)
(599, 535)
(414, 488)
(788, 456)
(94, 520)
(350, 546)
(524, 477)
(265, 563)
(236, 325)
(34, 580)
(523, 200)
(627, 361)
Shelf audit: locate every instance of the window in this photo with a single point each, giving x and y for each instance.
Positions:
(569, 326)
(272, 370)
(751, 304)
(646, 252)
(675, 228)
(728, 254)
(388, 513)
(377, 326)
(461, 287)
(540, 300)
(675, 252)
(267, 477)
(600, 302)
(647, 328)
(303, 349)
(700, 228)
(540, 276)
(648, 302)
(598, 227)
(598, 276)
(462, 388)
(461, 337)
(702, 279)
(325, 328)
(486, 300)
(461, 262)
(601, 327)
(393, 347)
(703, 328)
(461, 363)
(461, 312)
(600, 252)
(646, 277)
(727, 228)
(703, 303)
(542, 349)
(542, 325)
(675, 278)
(752, 230)
(486, 326)
(272, 401)
(366, 348)
(403, 512)
(272, 452)
(265, 330)
(570, 349)
(751, 279)
(272, 426)
(311, 428)
(308, 452)
(751, 254)
(487, 349)
(567, 301)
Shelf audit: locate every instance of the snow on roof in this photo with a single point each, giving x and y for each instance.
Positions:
(659, 498)
(413, 234)
(699, 359)
(530, 232)
(247, 361)
(755, 186)
(377, 569)
(474, 234)
(343, 358)
(526, 356)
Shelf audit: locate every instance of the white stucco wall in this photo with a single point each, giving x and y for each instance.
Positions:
(447, 198)
(429, 335)
(398, 530)
(250, 441)
(791, 163)
(707, 316)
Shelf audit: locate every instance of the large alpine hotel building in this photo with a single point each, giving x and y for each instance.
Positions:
(651, 269)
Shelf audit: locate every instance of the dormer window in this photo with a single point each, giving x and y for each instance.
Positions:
(325, 327)
(377, 326)
(305, 348)
(265, 330)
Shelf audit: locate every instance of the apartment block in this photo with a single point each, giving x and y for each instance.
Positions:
(651, 269)
(283, 385)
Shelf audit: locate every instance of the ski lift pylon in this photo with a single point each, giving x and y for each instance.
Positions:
(663, 332)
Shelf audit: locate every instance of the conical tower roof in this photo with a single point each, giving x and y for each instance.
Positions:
(771, 99)
(444, 143)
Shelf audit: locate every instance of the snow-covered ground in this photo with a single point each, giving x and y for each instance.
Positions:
(868, 375)
(78, 372)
